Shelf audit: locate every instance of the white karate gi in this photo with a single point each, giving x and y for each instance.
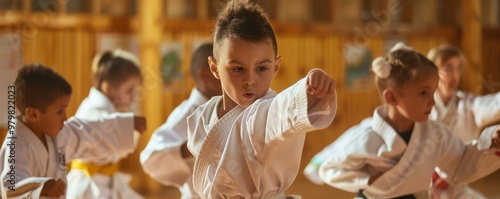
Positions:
(81, 186)
(368, 150)
(34, 164)
(312, 169)
(162, 159)
(465, 115)
(254, 152)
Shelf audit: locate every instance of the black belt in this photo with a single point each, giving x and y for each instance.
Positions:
(411, 196)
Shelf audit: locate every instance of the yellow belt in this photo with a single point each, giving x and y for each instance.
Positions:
(91, 168)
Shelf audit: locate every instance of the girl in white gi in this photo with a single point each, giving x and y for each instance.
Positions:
(166, 157)
(248, 142)
(116, 76)
(463, 113)
(36, 151)
(394, 156)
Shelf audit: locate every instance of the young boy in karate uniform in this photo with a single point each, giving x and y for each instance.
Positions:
(248, 142)
(36, 151)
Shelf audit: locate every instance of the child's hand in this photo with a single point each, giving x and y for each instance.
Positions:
(319, 83)
(140, 123)
(496, 138)
(54, 188)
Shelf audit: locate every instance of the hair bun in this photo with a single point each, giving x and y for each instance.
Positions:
(381, 68)
(101, 59)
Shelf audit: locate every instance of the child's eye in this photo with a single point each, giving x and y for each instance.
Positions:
(423, 93)
(60, 111)
(237, 69)
(262, 68)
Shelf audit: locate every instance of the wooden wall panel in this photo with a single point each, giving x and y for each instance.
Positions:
(490, 81)
(70, 53)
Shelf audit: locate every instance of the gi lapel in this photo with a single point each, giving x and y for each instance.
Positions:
(213, 139)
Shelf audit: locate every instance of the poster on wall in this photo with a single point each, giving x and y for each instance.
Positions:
(357, 68)
(170, 66)
(10, 63)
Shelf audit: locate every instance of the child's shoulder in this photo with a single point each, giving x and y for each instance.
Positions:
(21, 141)
(360, 139)
(362, 133)
(435, 125)
(95, 104)
(207, 108)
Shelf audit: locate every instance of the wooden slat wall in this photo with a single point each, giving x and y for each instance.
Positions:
(491, 61)
(70, 52)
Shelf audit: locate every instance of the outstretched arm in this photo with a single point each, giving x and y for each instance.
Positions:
(468, 163)
(310, 104)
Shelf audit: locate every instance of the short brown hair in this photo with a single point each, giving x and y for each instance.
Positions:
(406, 66)
(243, 20)
(114, 67)
(38, 86)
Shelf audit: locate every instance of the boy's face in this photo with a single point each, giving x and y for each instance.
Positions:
(51, 121)
(245, 69)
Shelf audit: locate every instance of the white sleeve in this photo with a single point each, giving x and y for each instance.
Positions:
(345, 175)
(17, 176)
(486, 109)
(347, 166)
(99, 138)
(30, 188)
(288, 112)
(164, 149)
(312, 169)
(468, 163)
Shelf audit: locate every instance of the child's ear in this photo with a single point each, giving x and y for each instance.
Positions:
(32, 114)
(105, 87)
(277, 65)
(390, 97)
(213, 67)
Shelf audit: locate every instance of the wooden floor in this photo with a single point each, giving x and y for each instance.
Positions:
(489, 186)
